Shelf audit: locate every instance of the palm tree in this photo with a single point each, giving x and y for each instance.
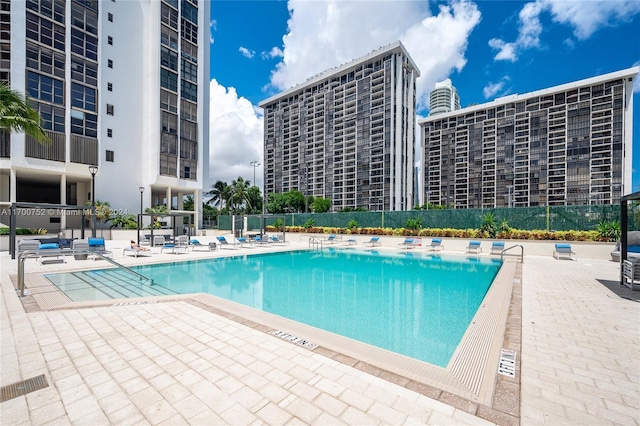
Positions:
(240, 193)
(220, 194)
(17, 116)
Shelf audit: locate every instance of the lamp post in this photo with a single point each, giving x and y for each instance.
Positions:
(254, 164)
(141, 189)
(93, 170)
(303, 175)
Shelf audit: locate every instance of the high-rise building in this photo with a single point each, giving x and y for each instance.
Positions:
(443, 98)
(565, 145)
(123, 86)
(346, 134)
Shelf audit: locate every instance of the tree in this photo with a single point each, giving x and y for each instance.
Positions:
(255, 200)
(240, 195)
(321, 205)
(17, 116)
(220, 194)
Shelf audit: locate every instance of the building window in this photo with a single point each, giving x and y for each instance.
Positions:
(169, 16)
(39, 58)
(51, 117)
(190, 12)
(84, 44)
(109, 133)
(110, 63)
(84, 124)
(169, 80)
(189, 71)
(189, 91)
(189, 31)
(110, 40)
(84, 71)
(44, 31)
(168, 101)
(84, 18)
(110, 87)
(109, 156)
(109, 109)
(110, 17)
(45, 88)
(168, 58)
(83, 97)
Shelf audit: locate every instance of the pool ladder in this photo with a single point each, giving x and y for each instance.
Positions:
(315, 243)
(509, 248)
(31, 254)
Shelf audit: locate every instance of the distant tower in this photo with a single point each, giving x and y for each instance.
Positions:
(443, 98)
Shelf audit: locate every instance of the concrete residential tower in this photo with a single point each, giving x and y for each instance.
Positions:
(565, 145)
(443, 98)
(121, 85)
(346, 134)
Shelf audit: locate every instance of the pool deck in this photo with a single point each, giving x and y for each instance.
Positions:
(177, 362)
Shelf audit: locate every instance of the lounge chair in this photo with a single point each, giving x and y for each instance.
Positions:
(180, 245)
(222, 241)
(631, 274)
(31, 245)
(407, 243)
(436, 244)
(135, 251)
(50, 253)
(97, 246)
(497, 247)
(474, 246)
(351, 242)
(331, 239)
(243, 242)
(158, 241)
(197, 245)
(564, 250)
(274, 239)
(374, 241)
(80, 245)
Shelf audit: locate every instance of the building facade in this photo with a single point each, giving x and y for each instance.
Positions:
(443, 98)
(123, 86)
(566, 145)
(346, 134)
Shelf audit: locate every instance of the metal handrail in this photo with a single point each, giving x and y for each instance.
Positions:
(30, 254)
(315, 242)
(509, 248)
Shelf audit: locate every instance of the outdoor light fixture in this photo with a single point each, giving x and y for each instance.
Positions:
(141, 189)
(254, 164)
(93, 170)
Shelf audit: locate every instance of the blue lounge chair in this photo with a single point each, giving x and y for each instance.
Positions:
(407, 243)
(351, 242)
(274, 239)
(436, 244)
(474, 246)
(243, 242)
(195, 244)
(50, 253)
(331, 239)
(564, 250)
(222, 241)
(374, 241)
(97, 245)
(497, 247)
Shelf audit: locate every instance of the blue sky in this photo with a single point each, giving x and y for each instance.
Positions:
(487, 48)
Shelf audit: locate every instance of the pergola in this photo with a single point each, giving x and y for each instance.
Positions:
(624, 224)
(173, 216)
(46, 209)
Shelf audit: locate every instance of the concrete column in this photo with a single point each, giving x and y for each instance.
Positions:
(63, 200)
(13, 185)
(168, 195)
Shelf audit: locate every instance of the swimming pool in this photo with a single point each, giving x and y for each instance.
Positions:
(415, 304)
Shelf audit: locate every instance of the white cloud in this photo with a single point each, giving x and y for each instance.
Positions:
(275, 52)
(323, 34)
(246, 52)
(213, 25)
(506, 51)
(584, 17)
(236, 129)
(491, 89)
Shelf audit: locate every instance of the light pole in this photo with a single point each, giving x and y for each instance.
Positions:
(303, 175)
(93, 170)
(141, 189)
(254, 164)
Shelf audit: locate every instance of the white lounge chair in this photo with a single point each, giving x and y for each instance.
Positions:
(374, 241)
(436, 244)
(497, 247)
(564, 250)
(474, 246)
(408, 243)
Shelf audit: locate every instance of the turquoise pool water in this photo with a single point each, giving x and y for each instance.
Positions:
(415, 304)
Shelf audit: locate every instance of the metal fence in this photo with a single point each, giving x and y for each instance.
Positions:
(556, 218)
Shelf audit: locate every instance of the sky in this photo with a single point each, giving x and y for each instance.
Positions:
(488, 49)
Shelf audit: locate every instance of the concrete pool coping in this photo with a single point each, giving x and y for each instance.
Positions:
(470, 375)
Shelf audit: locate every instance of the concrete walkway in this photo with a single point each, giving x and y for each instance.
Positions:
(174, 363)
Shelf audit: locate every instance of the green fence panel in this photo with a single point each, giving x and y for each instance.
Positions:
(555, 218)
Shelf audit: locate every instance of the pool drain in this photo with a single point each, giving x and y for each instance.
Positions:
(22, 388)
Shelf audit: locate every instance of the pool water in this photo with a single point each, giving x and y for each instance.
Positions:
(415, 304)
